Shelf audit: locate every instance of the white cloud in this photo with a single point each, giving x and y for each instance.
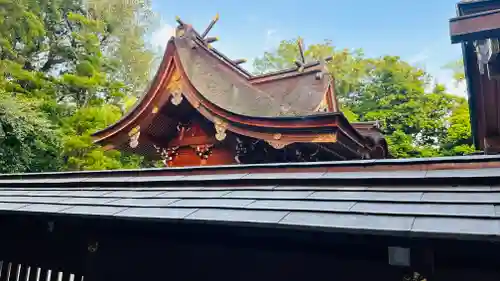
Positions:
(160, 37)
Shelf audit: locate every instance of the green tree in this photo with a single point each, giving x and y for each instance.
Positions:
(126, 23)
(79, 64)
(458, 70)
(458, 140)
(79, 151)
(28, 141)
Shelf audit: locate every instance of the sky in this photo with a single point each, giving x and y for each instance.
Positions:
(417, 31)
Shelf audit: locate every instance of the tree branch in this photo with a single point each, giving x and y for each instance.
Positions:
(50, 62)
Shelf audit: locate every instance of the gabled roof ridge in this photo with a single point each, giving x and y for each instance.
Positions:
(308, 68)
(219, 54)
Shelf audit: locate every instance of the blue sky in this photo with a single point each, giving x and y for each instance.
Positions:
(417, 31)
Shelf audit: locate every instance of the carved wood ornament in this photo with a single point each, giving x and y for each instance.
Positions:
(203, 151)
(277, 144)
(175, 88)
(312, 157)
(182, 129)
(167, 154)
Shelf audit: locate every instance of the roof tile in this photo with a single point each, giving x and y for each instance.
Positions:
(214, 203)
(463, 197)
(156, 213)
(298, 205)
(425, 209)
(268, 194)
(238, 215)
(368, 195)
(456, 226)
(93, 210)
(349, 221)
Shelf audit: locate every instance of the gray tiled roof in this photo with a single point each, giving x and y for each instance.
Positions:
(88, 175)
(300, 200)
(459, 203)
(396, 176)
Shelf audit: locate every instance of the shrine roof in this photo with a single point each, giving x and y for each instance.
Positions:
(412, 197)
(219, 88)
(299, 95)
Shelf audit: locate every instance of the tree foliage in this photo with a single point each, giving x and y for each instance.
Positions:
(67, 69)
(28, 141)
(417, 122)
(458, 70)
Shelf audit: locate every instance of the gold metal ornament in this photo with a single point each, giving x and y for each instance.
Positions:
(176, 98)
(175, 87)
(134, 135)
(326, 138)
(277, 145)
(220, 129)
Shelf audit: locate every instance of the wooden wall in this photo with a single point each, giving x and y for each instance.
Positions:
(111, 249)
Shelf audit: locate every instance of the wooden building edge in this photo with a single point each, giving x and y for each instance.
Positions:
(477, 28)
(204, 109)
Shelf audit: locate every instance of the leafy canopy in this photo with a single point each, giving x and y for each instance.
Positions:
(67, 69)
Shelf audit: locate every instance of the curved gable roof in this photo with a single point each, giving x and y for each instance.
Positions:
(218, 88)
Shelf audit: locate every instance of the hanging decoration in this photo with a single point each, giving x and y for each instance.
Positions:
(277, 145)
(134, 135)
(167, 154)
(203, 151)
(220, 129)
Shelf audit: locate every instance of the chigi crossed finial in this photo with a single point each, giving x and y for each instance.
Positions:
(203, 36)
(210, 26)
(301, 61)
(208, 40)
